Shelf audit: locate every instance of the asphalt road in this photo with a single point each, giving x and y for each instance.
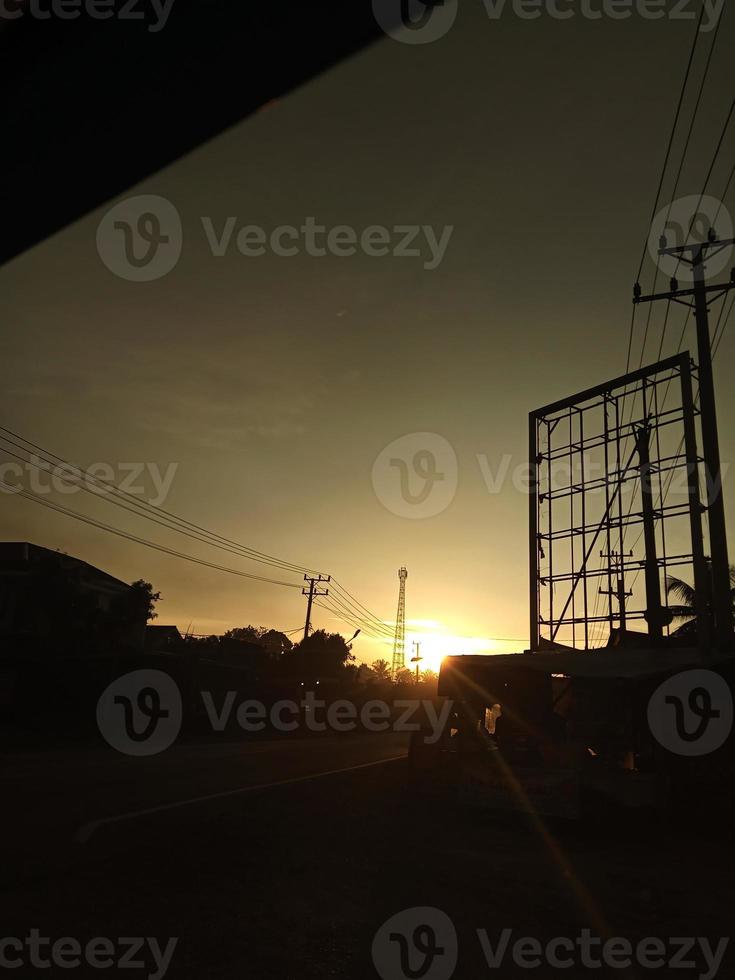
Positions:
(291, 854)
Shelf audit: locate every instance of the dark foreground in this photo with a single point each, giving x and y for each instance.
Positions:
(294, 880)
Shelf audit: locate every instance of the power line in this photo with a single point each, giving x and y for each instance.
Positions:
(85, 480)
(691, 225)
(720, 142)
(723, 134)
(708, 177)
(673, 133)
(355, 624)
(146, 508)
(340, 614)
(724, 195)
(630, 339)
(662, 178)
(165, 523)
(714, 507)
(352, 617)
(720, 331)
(350, 600)
(697, 105)
(144, 541)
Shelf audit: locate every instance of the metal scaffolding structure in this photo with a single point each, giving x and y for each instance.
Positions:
(615, 507)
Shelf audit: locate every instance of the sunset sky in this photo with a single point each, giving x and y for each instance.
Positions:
(274, 383)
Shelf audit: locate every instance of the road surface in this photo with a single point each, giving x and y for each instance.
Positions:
(283, 858)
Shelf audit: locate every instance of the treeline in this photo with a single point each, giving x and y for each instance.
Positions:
(271, 656)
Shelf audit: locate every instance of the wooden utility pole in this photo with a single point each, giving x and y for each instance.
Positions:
(654, 610)
(311, 592)
(617, 562)
(417, 658)
(698, 299)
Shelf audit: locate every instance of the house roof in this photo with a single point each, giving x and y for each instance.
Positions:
(17, 554)
(163, 632)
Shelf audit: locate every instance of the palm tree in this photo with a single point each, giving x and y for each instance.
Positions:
(381, 669)
(685, 610)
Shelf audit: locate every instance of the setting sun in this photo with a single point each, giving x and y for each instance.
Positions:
(435, 644)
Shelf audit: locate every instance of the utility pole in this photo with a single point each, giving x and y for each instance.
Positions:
(698, 299)
(617, 562)
(654, 610)
(417, 658)
(311, 592)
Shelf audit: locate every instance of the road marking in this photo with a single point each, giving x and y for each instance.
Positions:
(86, 830)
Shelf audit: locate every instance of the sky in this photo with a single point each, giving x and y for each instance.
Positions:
(276, 385)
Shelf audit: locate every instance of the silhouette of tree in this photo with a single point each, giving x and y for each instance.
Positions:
(248, 634)
(144, 599)
(322, 654)
(685, 610)
(276, 643)
(381, 670)
(364, 674)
